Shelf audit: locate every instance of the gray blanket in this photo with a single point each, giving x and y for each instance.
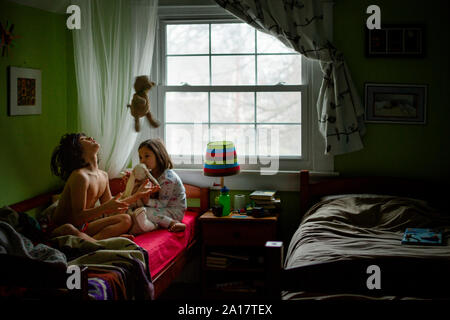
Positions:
(14, 243)
(354, 227)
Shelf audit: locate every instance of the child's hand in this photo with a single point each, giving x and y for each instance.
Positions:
(114, 205)
(145, 190)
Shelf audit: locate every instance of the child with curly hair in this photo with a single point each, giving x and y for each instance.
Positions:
(75, 161)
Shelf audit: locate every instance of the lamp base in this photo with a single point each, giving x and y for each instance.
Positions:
(221, 172)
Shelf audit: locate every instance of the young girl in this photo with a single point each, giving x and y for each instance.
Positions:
(75, 161)
(167, 210)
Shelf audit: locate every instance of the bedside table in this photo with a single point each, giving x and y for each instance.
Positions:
(233, 254)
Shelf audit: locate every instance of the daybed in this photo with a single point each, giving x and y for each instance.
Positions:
(166, 254)
(348, 244)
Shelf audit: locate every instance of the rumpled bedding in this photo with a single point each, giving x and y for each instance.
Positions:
(362, 227)
(14, 243)
(119, 262)
(117, 267)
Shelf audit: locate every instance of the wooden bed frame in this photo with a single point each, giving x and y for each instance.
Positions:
(345, 276)
(23, 274)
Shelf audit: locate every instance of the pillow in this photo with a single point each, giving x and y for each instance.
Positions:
(47, 212)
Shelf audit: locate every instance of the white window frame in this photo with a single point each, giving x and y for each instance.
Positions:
(286, 178)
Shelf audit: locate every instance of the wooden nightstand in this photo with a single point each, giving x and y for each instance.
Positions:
(233, 254)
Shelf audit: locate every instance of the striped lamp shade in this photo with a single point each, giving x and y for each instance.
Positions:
(221, 159)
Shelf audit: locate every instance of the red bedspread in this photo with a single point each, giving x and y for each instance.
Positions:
(163, 246)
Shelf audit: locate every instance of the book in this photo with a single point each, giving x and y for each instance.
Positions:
(231, 256)
(263, 195)
(422, 236)
(217, 260)
(267, 202)
(217, 265)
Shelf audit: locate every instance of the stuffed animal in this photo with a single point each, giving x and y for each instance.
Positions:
(137, 211)
(140, 105)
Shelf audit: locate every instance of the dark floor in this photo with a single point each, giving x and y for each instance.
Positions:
(180, 291)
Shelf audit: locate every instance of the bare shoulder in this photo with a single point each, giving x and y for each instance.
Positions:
(78, 176)
(103, 174)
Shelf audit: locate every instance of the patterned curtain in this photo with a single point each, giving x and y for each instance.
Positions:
(300, 25)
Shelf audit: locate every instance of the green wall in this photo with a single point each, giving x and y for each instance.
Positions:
(413, 151)
(28, 141)
(390, 149)
(416, 151)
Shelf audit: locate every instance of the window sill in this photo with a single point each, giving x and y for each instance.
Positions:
(249, 179)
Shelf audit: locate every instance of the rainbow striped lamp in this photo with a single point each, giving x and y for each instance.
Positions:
(221, 160)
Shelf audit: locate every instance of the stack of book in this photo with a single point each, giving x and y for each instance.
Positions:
(224, 260)
(217, 262)
(266, 200)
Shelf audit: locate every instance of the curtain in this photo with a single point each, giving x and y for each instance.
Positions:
(300, 25)
(114, 45)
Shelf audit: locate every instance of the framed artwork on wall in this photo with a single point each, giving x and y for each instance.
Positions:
(24, 88)
(396, 41)
(395, 103)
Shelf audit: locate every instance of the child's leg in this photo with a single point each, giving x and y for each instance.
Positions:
(141, 223)
(163, 217)
(176, 226)
(68, 229)
(112, 226)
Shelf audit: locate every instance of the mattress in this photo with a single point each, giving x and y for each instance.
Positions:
(164, 246)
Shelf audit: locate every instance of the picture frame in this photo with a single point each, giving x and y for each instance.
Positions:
(25, 91)
(395, 103)
(396, 41)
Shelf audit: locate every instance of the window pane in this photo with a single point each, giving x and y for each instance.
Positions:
(279, 107)
(186, 140)
(186, 107)
(232, 107)
(232, 38)
(191, 70)
(233, 70)
(279, 68)
(283, 140)
(270, 44)
(188, 39)
(243, 137)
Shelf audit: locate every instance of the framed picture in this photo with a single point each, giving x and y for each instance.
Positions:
(396, 41)
(395, 103)
(24, 89)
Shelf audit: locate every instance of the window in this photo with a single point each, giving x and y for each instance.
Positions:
(227, 81)
(218, 79)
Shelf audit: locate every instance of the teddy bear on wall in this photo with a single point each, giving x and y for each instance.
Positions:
(137, 211)
(140, 105)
